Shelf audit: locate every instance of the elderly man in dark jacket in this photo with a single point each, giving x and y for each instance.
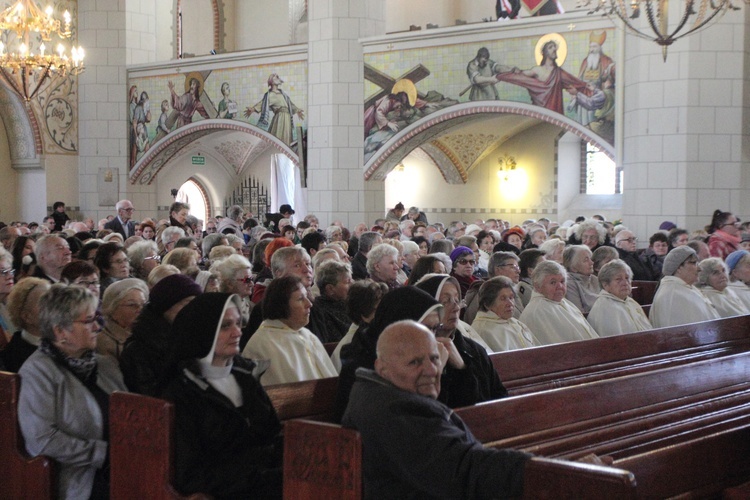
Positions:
(626, 243)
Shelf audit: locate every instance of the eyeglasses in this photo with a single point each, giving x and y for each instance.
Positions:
(463, 262)
(460, 303)
(128, 209)
(96, 319)
(89, 283)
(512, 266)
(246, 280)
(436, 328)
(6, 272)
(630, 240)
(735, 223)
(156, 258)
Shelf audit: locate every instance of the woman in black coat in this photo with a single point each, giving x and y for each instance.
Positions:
(227, 435)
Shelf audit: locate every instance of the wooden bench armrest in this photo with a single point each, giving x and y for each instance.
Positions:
(23, 476)
(559, 479)
(321, 461)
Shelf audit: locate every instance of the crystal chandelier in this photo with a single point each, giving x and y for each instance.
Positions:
(26, 63)
(693, 16)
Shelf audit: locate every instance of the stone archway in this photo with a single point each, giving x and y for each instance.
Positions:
(421, 134)
(22, 129)
(158, 156)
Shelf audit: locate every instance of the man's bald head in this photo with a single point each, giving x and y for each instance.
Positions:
(408, 357)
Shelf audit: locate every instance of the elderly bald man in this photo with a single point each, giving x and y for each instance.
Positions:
(627, 243)
(415, 446)
(123, 223)
(52, 254)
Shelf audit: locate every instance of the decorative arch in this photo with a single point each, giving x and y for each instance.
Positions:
(145, 171)
(22, 129)
(421, 133)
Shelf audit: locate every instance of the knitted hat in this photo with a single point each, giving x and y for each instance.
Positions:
(459, 251)
(734, 258)
(667, 226)
(675, 259)
(171, 290)
(517, 230)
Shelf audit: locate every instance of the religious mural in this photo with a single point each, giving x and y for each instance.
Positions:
(274, 98)
(570, 75)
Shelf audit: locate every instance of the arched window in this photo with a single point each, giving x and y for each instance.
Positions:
(192, 194)
(600, 175)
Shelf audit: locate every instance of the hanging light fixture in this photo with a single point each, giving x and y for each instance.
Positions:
(693, 16)
(26, 62)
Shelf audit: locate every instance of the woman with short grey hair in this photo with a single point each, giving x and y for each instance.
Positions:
(601, 256)
(713, 281)
(553, 249)
(583, 287)
(144, 257)
(615, 312)
(122, 302)
(495, 322)
(552, 317)
(590, 233)
(64, 397)
(235, 276)
(383, 264)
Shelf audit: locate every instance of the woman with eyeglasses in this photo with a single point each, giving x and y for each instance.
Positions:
(121, 304)
(468, 376)
(23, 306)
(236, 276)
(407, 302)
(83, 274)
(495, 322)
(677, 301)
(64, 398)
(113, 264)
(724, 232)
(463, 260)
(144, 257)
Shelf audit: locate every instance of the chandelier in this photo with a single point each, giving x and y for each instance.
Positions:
(26, 63)
(693, 16)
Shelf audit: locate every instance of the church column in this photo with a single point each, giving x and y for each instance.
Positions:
(684, 128)
(113, 34)
(336, 186)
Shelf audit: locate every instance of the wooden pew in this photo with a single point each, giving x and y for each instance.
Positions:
(22, 476)
(311, 399)
(643, 291)
(141, 448)
(576, 418)
(560, 365)
(323, 461)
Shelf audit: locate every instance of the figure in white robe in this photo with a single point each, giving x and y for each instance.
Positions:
(677, 303)
(295, 355)
(726, 302)
(503, 334)
(742, 291)
(611, 315)
(553, 322)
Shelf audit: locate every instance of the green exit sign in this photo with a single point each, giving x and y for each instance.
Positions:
(199, 160)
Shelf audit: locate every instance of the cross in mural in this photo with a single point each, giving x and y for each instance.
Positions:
(386, 83)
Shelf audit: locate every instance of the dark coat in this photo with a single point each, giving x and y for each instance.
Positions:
(116, 226)
(416, 447)
(359, 267)
(15, 353)
(642, 270)
(221, 450)
(332, 320)
(143, 358)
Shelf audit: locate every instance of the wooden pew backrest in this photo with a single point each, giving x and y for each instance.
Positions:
(141, 448)
(22, 476)
(311, 399)
(321, 461)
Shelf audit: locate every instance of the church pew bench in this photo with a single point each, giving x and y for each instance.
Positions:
(561, 365)
(541, 368)
(643, 291)
(141, 448)
(22, 476)
(323, 461)
(311, 399)
(577, 417)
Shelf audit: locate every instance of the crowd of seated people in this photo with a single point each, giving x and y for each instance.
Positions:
(209, 318)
